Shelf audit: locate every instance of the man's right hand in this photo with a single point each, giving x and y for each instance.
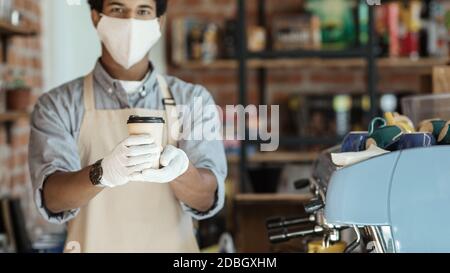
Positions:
(130, 157)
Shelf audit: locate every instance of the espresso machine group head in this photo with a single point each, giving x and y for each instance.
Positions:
(314, 224)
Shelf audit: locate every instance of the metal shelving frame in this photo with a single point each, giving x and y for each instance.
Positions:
(367, 52)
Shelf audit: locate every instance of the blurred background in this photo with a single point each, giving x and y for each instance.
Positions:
(331, 65)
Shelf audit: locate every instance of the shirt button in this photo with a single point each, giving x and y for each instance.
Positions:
(110, 90)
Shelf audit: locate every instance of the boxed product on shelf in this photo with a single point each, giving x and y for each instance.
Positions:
(337, 21)
(296, 32)
(194, 40)
(412, 29)
(393, 11)
(362, 15)
(437, 29)
(210, 44)
(257, 38)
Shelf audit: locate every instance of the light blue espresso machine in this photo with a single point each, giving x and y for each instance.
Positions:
(394, 203)
(398, 202)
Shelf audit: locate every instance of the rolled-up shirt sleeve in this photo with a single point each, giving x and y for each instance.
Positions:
(202, 143)
(52, 148)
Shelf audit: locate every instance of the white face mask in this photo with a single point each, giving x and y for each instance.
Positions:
(128, 40)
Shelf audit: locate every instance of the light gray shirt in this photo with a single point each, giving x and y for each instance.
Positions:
(56, 123)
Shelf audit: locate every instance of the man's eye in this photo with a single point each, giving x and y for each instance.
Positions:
(117, 10)
(144, 13)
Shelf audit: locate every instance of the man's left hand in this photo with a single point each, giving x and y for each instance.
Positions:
(175, 163)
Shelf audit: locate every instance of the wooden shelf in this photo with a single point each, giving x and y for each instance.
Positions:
(423, 63)
(13, 116)
(277, 157)
(276, 197)
(218, 64)
(407, 62)
(7, 29)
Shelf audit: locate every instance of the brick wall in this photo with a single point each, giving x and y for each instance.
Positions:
(222, 83)
(25, 54)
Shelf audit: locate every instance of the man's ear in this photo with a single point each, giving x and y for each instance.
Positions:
(95, 16)
(162, 21)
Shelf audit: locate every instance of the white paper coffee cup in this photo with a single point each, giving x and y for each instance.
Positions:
(153, 126)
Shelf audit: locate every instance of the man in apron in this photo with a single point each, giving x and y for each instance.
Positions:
(89, 173)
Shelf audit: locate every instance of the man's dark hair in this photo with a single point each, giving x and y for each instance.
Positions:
(161, 6)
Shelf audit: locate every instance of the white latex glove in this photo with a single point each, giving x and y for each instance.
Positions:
(130, 157)
(175, 163)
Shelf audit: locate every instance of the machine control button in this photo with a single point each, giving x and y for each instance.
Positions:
(314, 205)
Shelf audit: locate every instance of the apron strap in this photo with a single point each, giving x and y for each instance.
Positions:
(171, 111)
(89, 99)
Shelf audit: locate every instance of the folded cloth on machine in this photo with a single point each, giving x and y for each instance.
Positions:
(345, 159)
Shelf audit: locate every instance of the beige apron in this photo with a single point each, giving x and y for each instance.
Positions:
(137, 217)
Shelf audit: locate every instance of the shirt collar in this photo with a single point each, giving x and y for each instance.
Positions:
(113, 86)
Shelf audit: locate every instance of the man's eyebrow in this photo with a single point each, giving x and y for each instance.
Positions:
(146, 6)
(116, 4)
